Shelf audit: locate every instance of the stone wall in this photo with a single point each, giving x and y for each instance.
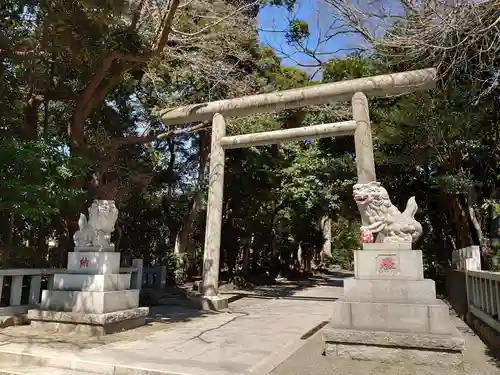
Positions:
(456, 294)
(489, 336)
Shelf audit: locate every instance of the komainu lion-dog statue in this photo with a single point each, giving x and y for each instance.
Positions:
(380, 216)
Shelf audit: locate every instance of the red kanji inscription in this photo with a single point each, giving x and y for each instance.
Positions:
(84, 262)
(387, 264)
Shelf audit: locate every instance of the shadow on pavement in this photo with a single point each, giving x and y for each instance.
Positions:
(294, 298)
(287, 288)
(494, 356)
(174, 314)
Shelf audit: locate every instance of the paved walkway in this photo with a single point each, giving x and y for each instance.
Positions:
(231, 343)
(259, 335)
(306, 361)
(241, 341)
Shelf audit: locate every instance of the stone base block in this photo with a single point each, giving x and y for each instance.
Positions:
(92, 283)
(387, 246)
(381, 316)
(388, 263)
(94, 249)
(88, 324)
(395, 347)
(88, 329)
(94, 262)
(395, 355)
(402, 291)
(89, 302)
(211, 303)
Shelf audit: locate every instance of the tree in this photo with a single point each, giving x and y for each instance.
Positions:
(458, 38)
(79, 73)
(78, 52)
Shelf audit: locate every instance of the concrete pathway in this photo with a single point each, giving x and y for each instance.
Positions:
(235, 342)
(244, 340)
(260, 335)
(307, 361)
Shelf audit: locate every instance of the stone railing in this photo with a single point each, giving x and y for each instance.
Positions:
(474, 294)
(483, 296)
(24, 286)
(14, 303)
(482, 288)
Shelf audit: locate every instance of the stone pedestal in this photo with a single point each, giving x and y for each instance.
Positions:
(92, 298)
(390, 313)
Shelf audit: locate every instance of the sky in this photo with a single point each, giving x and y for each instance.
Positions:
(272, 22)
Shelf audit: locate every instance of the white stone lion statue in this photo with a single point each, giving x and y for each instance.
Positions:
(84, 235)
(380, 216)
(97, 230)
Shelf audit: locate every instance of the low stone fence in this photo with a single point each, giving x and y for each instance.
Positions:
(475, 295)
(483, 296)
(21, 289)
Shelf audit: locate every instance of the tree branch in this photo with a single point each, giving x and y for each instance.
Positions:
(136, 13)
(167, 27)
(20, 54)
(185, 5)
(140, 139)
(94, 83)
(202, 30)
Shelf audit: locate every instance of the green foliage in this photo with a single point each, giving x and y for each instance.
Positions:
(351, 67)
(289, 4)
(440, 145)
(36, 176)
(491, 206)
(298, 30)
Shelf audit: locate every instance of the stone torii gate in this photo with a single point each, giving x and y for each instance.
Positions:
(388, 312)
(354, 90)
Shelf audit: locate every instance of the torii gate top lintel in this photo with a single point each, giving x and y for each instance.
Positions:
(382, 85)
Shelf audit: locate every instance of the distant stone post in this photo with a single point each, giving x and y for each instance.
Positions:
(211, 256)
(326, 226)
(365, 163)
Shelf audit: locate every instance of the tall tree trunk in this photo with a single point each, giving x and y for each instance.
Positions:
(258, 243)
(246, 254)
(9, 238)
(118, 235)
(476, 223)
(42, 248)
(58, 255)
(170, 169)
(183, 239)
(471, 207)
(274, 243)
(300, 258)
(30, 125)
(460, 221)
(182, 246)
(8, 242)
